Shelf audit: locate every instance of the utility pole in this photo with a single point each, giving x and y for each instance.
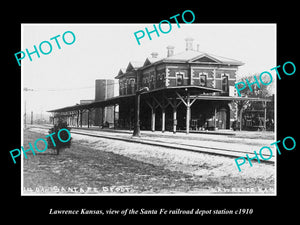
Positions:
(241, 118)
(31, 122)
(25, 115)
(265, 115)
(137, 130)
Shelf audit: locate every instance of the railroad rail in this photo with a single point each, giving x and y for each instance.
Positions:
(166, 144)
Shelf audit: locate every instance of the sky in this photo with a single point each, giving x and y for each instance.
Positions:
(67, 75)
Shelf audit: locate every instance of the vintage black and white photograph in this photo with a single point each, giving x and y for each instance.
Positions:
(130, 109)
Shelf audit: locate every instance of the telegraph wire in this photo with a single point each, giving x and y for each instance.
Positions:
(65, 89)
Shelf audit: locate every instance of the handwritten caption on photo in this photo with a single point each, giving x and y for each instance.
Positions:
(78, 190)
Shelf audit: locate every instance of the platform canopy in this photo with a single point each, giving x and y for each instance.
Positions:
(198, 92)
(95, 104)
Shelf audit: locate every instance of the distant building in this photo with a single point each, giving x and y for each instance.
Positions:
(104, 89)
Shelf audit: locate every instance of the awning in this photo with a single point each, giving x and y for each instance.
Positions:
(201, 93)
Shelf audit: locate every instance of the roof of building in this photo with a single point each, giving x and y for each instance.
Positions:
(150, 60)
(134, 65)
(196, 56)
(122, 71)
(188, 56)
(86, 101)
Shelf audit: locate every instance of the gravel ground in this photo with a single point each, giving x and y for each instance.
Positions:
(120, 167)
(197, 164)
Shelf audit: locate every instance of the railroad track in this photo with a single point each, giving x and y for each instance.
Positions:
(173, 145)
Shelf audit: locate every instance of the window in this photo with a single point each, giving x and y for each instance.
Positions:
(163, 77)
(202, 80)
(128, 87)
(125, 85)
(225, 87)
(152, 82)
(160, 82)
(146, 82)
(179, 79)
(132, 84)
(121, 88)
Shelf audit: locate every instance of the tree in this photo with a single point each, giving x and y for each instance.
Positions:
(257, 92)
(63, 135)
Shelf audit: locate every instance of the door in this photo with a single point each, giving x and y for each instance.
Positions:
(222, 119)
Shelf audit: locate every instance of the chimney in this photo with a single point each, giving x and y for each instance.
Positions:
(170, 50)
(189, 44)
(198, 47)
(154, 54)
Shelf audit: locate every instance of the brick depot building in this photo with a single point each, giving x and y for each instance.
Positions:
(189, 90)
